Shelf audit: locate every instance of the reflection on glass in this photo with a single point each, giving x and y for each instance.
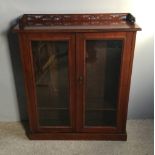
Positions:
(103, 60)
(51, 78)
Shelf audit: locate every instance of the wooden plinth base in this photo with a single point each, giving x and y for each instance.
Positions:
(77, 136)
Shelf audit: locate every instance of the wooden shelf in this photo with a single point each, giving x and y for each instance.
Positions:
(77, 22)
(100, 118)
(100, 103)
(101, 109)
(48, 108)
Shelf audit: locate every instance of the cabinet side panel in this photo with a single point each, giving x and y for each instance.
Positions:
(126, 78)
(28, 80)
(131, 47)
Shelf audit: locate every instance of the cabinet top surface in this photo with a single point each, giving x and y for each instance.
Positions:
(76, 22)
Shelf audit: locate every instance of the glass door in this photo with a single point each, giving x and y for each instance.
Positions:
(53, 65)
(102, 63)
(101, 60)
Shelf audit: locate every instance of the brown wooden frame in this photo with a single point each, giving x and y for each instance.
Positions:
(76, 28)
(75, 19)
(30, 79)
(124, 78)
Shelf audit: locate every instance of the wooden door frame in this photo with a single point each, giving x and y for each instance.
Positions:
(27, 60)
(124, 81)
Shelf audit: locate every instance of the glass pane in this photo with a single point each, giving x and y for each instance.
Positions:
(50, 60)
(103, 60)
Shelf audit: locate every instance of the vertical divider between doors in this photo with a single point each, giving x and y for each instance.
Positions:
(72, 76)
(79, 84)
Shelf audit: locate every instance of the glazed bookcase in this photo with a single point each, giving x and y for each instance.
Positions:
(77, 70)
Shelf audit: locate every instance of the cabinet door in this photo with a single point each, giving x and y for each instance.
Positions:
(101, 63)
(51, 63)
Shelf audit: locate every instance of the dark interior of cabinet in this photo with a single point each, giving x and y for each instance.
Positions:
(50, 60)
(103, 61)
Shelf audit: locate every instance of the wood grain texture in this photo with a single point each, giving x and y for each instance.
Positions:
(70, 19)
(78, 136)
(76, 22)
(76, 29)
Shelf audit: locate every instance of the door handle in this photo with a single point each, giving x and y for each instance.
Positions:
(80, 79)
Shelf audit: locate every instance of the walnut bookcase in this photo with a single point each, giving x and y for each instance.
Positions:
(77, 70)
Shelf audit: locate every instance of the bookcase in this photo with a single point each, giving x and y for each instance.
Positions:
(77, 70)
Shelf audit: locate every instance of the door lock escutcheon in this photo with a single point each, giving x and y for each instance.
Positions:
(80, 79)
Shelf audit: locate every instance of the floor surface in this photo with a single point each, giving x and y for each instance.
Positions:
(13, 141)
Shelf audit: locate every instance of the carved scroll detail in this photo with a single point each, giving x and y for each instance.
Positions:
(73, 19)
